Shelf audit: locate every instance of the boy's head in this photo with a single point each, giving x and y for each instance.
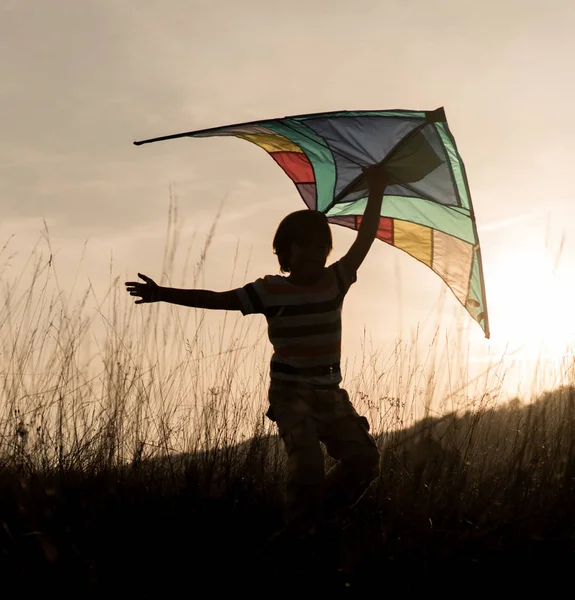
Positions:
(303, 241)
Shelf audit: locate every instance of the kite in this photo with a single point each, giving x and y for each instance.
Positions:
(426, 210)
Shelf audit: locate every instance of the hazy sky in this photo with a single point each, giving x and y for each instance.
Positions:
(82, 79)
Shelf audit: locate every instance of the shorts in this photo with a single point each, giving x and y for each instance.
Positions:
(291, 403)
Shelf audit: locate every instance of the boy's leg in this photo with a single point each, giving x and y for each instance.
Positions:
(305, 477)
(347, 440)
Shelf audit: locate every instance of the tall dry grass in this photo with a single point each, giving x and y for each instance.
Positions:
(152, 382)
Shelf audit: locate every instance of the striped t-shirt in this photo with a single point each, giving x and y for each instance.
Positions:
(304, 323)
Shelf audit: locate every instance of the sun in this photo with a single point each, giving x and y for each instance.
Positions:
(530, 303)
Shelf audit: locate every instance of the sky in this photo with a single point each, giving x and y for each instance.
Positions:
(82, 80)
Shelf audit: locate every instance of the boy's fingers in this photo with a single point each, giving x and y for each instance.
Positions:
(146, 291)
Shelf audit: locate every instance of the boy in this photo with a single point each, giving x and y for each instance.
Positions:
(303, 312)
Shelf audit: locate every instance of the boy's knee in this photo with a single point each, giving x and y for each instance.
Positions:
(372, 462)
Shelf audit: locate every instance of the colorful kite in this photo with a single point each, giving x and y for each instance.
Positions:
(426, 210)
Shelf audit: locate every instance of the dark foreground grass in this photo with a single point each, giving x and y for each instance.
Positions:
(482, 501)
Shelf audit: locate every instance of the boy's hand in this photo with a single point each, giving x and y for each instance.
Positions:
(148, 292)
(377, 178)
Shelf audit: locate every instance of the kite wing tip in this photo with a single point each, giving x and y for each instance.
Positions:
(436, 116)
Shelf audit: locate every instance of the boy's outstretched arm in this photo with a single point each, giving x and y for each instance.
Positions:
(150, 291)
(377, 180)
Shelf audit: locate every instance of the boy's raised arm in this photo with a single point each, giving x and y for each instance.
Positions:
(150, 291)
(377, 180)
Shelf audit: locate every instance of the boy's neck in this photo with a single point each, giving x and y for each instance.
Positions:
(296, 279)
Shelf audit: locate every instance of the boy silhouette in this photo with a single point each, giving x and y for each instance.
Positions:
(303, 311)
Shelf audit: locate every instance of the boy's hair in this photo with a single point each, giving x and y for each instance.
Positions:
(300, 227)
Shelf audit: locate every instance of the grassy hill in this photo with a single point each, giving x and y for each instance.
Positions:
(481, 499)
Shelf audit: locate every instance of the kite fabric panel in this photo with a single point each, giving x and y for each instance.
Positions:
(426, 209)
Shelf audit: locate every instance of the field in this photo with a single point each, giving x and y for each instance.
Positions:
(122, 473)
